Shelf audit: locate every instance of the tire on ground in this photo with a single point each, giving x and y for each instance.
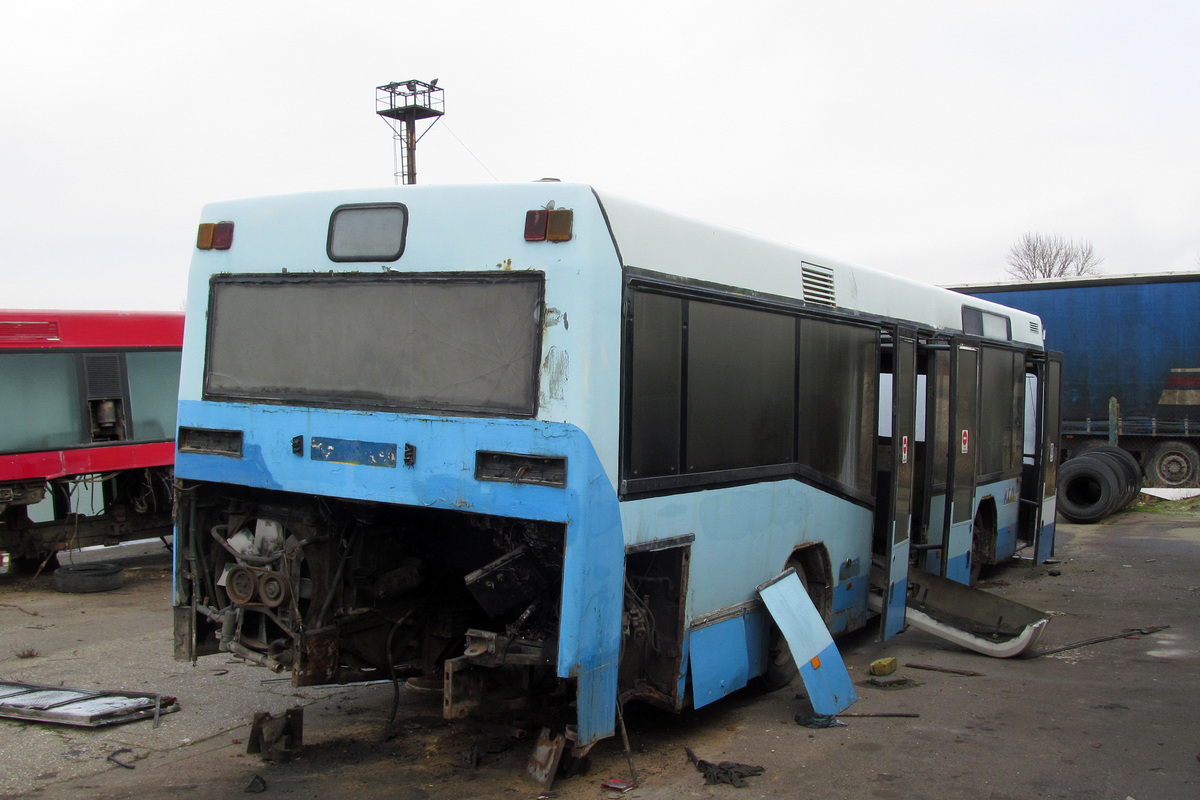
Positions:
(1127, 470)
(1088, 489)
(83, 578)
(1173, 464)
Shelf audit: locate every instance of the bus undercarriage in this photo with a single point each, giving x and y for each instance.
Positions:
(122, 506)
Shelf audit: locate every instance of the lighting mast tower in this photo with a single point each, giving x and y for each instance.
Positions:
(401, 104)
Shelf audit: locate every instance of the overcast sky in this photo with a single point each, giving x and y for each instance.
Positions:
(919, 137)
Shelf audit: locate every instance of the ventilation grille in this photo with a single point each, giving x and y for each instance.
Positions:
(818, 285)
(1034, 327)
(103, 375)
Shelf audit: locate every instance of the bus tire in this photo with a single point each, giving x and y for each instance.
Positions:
(1089, 489)
(84, 578)
(780, 669)
(1174, 465)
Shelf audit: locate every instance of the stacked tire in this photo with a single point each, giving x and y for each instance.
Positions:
(1097, 483)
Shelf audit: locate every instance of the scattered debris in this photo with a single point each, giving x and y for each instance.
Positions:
(82, 707)
(18, 608)
(817, 721)
(27, 652)
(1125, 634)
(726, 772)
(547, 753)
(113, 757)
(256, 785)
(633, 778)
(883, 666)
(892, 683)
(618, 784)
(277, 739)
(489, 743)
(947, 670)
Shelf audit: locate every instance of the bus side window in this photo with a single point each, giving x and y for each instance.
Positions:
(656, 385)
(839, 388)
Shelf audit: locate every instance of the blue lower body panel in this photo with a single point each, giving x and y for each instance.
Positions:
(725, 656)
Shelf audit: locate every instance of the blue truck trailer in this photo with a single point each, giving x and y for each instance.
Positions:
(1131, 364)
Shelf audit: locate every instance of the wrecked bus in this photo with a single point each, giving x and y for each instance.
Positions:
(537, 446)
(88, 401)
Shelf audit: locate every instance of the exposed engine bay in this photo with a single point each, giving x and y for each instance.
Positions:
(335, 591)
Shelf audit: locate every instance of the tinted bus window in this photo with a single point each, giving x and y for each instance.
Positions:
(741, 368)
(153, 389)
(656, 385)
(838, 399)
(1002, 406)
(39, 398)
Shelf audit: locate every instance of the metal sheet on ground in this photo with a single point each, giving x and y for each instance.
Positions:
(79, 707)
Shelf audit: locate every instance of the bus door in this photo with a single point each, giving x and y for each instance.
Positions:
(903, 456)
(960, 491)
(1039, 485)
(947, 515)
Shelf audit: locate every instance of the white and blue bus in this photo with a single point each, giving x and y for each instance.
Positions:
(535, 444)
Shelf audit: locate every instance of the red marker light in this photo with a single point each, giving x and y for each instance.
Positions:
(535, 225)
(222, 236)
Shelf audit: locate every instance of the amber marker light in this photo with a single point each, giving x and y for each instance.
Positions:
(214, 236)
(558, 227)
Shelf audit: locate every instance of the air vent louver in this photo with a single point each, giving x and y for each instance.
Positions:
(103, 374)
(818, 285)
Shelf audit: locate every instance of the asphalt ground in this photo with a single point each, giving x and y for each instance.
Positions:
(1113, 719)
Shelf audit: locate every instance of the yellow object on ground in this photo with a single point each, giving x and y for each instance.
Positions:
(883, 666)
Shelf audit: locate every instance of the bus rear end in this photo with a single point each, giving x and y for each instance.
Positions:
(387, 450)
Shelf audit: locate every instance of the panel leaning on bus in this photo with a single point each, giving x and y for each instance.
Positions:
(540, 447)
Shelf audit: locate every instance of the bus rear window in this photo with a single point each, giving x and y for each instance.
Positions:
(370, 232)
(452, 342)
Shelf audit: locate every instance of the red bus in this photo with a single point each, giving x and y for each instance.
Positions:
(87, 428)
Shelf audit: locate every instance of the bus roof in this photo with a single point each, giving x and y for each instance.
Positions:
(86, 329)
(661, 241)
(287, 232)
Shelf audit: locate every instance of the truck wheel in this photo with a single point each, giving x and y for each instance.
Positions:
(1174, 465)
(83, 578)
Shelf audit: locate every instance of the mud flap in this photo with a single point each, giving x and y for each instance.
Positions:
(821, 667)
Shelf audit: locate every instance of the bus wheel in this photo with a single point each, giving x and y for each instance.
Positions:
(780, 668)
(1174, 465)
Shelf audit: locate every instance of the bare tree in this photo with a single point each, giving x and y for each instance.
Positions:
(1036, 255)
